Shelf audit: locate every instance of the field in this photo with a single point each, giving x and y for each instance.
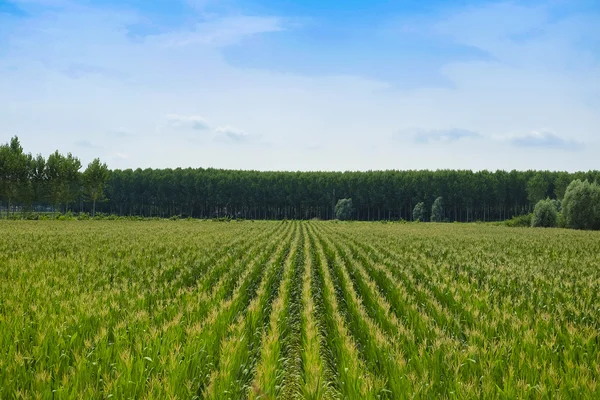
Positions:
(189, 309)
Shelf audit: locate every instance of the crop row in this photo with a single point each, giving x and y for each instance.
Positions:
(297, 310)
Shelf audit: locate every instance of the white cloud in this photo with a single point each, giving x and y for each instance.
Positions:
(544, 140)
(231, 134)
(437, 135)
(349, 117)
(187, 122)
(222, 31)
(87, 144)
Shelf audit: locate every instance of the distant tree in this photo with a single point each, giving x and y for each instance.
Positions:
(581, 205)
(200, 192)
(537, 187)
(419, 212)
(544, 214)
(95, 178)
(560, 184)
(62, 173)
(13, 171)
(437, 210)
(37, 175)
(344, 209)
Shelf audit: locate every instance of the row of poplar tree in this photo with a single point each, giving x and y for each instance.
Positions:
(58, 182)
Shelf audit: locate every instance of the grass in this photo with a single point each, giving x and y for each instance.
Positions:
(264, 310)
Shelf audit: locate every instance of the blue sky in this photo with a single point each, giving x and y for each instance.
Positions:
(305, 85)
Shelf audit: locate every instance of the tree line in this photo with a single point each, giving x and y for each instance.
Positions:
(57, 182)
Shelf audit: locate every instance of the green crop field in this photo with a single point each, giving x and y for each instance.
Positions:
(189, 309)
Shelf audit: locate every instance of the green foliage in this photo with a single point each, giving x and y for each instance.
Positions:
(544, 215)
(28, 183)
(95, 178)
(520, 221)
(62, 173)
(13, 172)
(419, 212)
(537, 187)
(561, 182)
(83, 216)
(561, 222)
(581, 205)
(312, 310)
(557, 205)
(344, 209)
(437, 210)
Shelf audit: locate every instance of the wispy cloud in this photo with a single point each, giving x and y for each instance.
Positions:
(223, 31)
(231, 134)
(544, 139)
(87, 144)
(420, 135)
(194, 122)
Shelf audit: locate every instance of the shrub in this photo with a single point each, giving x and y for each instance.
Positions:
(419, 212)
(581, 205)
(32, 216)
(519, 221)
(83, 216)
(344, 209)
(544, 215)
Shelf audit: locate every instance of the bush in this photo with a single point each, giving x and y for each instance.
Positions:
(437, 210)
(544, 215)
(581, 205)
(419, 212)
(520, 221)
(32, 216)
(83, 216)
(344, 209)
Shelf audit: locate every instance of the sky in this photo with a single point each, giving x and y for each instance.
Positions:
(305, 85)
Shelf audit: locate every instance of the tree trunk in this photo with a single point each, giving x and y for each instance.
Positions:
(94, 208)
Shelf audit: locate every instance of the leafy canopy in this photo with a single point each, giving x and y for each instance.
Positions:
(544, 214)
(344, 209)
(437, 210)
(581, 205)
(419, 212)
